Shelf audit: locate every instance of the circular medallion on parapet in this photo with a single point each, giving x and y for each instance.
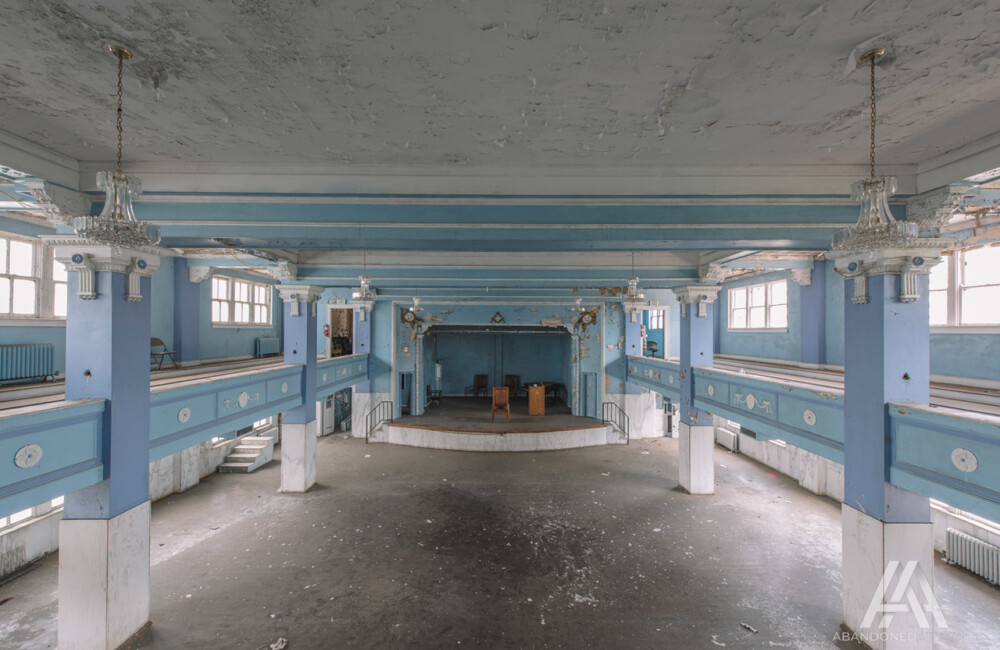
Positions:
(284, 387)
(711, 390)
(243, 399)
(361, 367)
(751, 401)
(28, 456)
(810, 417)
(964, 460)
(324, 376)
(670, 378)
(184, 415)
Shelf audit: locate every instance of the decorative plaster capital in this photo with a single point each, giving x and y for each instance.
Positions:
(87, 258)
(908, 263)
(295, 294)
(697, 294)
(197, 274)
(284, 271)
(59, 204)
(802, 277)
(712, 272)
(933, 209)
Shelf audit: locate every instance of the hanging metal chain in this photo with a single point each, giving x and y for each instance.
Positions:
(871, 149)
(121, 60)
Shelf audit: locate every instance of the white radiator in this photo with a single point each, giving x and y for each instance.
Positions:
(973, 554)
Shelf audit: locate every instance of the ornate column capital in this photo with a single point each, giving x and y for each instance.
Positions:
(59, 204)
(284, 271)
(908, 263)
(87, 258)
(295, 294)
(933, 209)
(697, 294)
(803, 277)
(714, 273)
(197, 274)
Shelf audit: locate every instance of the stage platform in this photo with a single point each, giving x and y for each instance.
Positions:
(463, 423)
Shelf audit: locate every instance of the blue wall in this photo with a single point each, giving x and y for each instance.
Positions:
(221, 342)
(774, 345)
(531, 356)
(162, 305)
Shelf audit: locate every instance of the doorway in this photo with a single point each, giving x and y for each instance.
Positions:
(339, 332)
(589, 394)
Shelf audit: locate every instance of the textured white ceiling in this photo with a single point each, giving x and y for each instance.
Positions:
(572, 84)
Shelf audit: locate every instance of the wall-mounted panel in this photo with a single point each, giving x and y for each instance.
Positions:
(948, 455)
(658, 375)
(804, 417)
(49, 450)
(336, 374)
(191, 413)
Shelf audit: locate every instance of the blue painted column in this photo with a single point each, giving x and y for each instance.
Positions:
(187, 310)
(812, 311)
(697, 435)
(104, 535)
(298, 425)
(886, 530)
(419, 390)
(633, 347)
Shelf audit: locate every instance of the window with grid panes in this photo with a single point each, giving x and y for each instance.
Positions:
(18, 277)
(240, 302)
(964, 288)
(759, 306)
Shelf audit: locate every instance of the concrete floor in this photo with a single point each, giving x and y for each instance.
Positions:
(416, 548)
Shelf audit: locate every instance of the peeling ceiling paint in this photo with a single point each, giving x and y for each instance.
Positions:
(490, 83)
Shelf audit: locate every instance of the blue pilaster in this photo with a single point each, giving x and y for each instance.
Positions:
(812, 316)
(187, 313)
(419, 390)
(300, 348)
(107, 356)
(697, 342)
(633, 345)
(362, 343)
(886, 359)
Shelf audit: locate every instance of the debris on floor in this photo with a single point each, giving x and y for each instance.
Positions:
(748, 627)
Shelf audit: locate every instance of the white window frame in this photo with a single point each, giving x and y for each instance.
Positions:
(231, 301)
(44, 287)
(29, 515)
(956, 267)
(768, 304)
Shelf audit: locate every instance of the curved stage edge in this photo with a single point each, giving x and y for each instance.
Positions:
(509, 441)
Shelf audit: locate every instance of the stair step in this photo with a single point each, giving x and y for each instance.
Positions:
(247, 449)
(241, 457)
(263, 440)
(235, 468)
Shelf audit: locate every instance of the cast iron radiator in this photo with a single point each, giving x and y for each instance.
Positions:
(973, 554)
(26, 361)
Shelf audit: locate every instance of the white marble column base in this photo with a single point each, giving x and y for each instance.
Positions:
(869, 546)
(696, 457)
(298, 456)
(103, 579)
(361, 406)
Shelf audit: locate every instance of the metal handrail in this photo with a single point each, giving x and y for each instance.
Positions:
(381, 413)
(615, 416)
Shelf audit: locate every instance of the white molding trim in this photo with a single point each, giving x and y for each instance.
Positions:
(965, 329)
(958, 164)
(29, 321)
(26, 156)
(423, 225)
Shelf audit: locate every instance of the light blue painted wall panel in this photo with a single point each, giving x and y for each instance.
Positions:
(69, 435)
(966, 355)
(221, 342)
(54, 335)
(774, 345)
(162, 303)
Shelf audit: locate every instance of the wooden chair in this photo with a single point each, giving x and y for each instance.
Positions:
(158, 356)
(480, 385)
(501, 402)
(433, 396)
(513, 384)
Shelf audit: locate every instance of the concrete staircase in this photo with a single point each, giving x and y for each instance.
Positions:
(251, 453)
